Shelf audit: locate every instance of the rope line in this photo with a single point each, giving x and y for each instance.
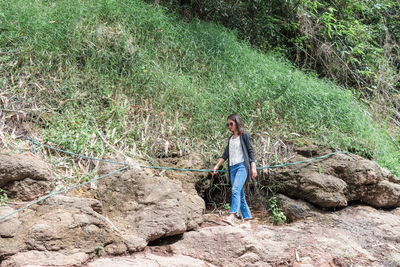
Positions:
(35, 142)
(177, 169)
(302, 161)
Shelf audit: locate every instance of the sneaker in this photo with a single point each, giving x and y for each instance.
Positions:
(245, 224)
(229, 220)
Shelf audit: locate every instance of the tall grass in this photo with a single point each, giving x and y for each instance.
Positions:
(129, 72)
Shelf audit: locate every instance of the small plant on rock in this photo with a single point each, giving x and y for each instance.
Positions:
(100, 250)
(227, 206)
(3, 197)
(277, 217)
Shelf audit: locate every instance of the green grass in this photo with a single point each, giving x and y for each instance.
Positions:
(132, 72)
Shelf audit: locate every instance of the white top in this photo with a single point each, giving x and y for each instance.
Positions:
(235, 151)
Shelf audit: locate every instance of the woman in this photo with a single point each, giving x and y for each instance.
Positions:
(241, 161)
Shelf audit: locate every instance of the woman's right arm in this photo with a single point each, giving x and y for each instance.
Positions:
(216, 167)
(221, 160)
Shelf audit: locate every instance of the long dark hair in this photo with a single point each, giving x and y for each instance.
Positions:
(238, 121)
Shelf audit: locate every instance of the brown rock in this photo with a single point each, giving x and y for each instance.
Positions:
(357, 235)
(383, 194)
(334, 181)
(322, 190)
(230, 246)
(10, 227)
(44, 258)
(139, 206)
(27, 189)
(24, 176)
(187, 179)
(149, 206)
(296, 209)
(16, 167)
(61, 223)
(352, 236)
(150, 260)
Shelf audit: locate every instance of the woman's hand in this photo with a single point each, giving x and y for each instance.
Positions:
(216, 167)
(254, 173)
(214, 171)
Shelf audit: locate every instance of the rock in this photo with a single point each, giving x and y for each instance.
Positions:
(9, 230)
(16, 167)
(352, 236)
(149, 206)
(360, 171)
(231, 246)
(322, 190)
(296, 209)
(137, 205)
(27, 189)
(10, 227)
(61, 223)
(150, 260)
(24, 176)
(187, 179)
(383, 194)
(44, 258)
(334, 181)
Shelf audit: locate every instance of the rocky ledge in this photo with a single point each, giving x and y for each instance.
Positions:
(120, 215)
(355, 236)
(336, 181)
(124, 213)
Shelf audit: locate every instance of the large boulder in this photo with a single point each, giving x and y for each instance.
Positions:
(231, 246)
(24, 176)
(148, 206)
(60, 224)
(16, 167)
(296, 209)
(335, 181)
(121, 213)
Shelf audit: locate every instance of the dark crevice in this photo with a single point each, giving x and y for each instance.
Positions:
(163, 241)
(6, 236)
(214, 190)
(361, 203)
(350, 203)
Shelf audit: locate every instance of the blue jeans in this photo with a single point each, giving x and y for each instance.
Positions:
(238, 176)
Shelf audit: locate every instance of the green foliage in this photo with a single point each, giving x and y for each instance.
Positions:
(129, 73)
(363, 35)
(3, 197)
(227, 206)
(353, 42)
(100, 250)
(277, 217)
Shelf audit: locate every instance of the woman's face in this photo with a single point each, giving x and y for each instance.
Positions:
(231, 125)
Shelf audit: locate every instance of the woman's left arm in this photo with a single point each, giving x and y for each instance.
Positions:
(251, 153)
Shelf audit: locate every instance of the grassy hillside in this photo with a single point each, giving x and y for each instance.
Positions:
(125, 73)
